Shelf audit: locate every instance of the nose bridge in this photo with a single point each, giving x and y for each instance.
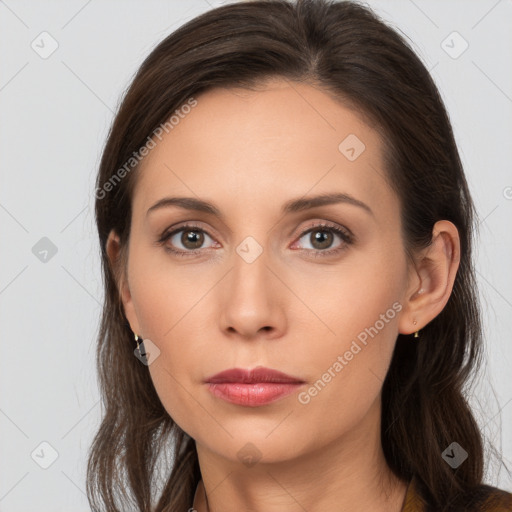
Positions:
(250, 277)
(252, 252)
(250, 301)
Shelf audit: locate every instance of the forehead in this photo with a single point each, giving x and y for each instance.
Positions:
(283, 139)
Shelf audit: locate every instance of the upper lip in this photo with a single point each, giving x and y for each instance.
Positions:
(258, 374)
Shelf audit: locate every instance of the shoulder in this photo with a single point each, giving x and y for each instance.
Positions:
(483, 498)
(493, 499)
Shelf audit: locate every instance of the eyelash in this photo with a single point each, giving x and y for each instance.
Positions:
(344, 234)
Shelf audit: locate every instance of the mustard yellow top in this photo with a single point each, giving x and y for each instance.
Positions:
(413, 501)
(498, 500)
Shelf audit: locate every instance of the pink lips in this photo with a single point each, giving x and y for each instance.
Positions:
(252, 388)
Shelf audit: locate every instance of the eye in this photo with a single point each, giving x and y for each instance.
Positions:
(188, 239)
(322, 236)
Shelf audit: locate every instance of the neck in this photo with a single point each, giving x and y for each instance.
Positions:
(348, 474)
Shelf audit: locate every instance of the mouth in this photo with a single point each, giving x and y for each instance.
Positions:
(252, 388)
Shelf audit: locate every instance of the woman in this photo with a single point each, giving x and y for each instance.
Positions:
(286, 234)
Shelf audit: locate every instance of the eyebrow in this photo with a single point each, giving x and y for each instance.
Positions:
(294, 205)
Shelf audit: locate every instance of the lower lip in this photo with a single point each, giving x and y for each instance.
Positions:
(252, 395)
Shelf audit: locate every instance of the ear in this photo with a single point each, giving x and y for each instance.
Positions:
(431, 279)
(118, 264)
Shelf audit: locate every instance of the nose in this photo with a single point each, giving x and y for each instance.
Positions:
(252, 300)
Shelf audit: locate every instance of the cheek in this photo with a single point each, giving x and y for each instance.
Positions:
(164, 292)
(357, 299)
(347, 374)
(360, 312)
(168, 300)
(175, 390)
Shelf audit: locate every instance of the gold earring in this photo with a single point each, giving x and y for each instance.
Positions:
(416, 334)
(137, 340)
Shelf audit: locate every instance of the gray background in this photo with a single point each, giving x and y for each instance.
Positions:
(55, 113)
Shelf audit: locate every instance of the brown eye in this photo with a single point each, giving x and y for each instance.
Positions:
(321, 239)
(185, 241)
(192, 239)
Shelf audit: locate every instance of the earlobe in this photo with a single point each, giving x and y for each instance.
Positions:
(436, 269)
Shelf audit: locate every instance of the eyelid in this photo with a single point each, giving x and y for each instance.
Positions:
(182, 226)
(318, 224)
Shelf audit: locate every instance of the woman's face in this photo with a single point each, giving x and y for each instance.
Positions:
(260, 284)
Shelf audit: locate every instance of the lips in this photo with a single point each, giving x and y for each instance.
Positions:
(258, 374)
(252, 388)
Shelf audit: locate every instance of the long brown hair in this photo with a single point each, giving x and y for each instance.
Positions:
(347, 51)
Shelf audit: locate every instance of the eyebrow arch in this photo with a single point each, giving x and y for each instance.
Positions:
(305, 203)
(295, 205)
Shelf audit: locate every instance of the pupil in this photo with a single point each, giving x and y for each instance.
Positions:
(192, 239)
(324, 238)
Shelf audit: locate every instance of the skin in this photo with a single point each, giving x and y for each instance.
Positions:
(248, 152)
